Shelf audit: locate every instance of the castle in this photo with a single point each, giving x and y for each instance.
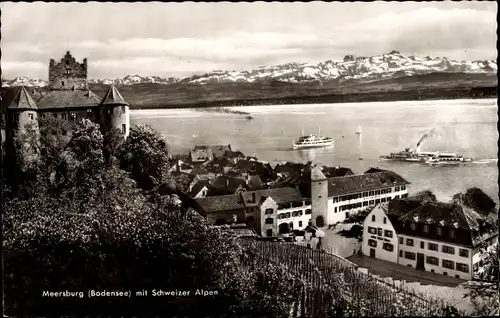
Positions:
(68, 98)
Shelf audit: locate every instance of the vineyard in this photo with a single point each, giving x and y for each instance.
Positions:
(332, 286)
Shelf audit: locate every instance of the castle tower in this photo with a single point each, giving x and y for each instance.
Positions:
(319, 197)
(68, 74)
(115, 112)
(21, 120)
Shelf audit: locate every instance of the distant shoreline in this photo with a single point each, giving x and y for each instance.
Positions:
(421, 95)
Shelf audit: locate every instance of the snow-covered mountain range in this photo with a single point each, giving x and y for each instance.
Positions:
(384, 66)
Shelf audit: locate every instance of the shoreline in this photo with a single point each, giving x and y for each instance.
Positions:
(422, 95)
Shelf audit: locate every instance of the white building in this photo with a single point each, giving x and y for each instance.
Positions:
(334, 199)
(270, 212)
(437, 237)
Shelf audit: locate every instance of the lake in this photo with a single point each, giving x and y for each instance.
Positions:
(465, 127)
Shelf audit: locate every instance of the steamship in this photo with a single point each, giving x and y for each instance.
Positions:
(447, 159)
(312, 141)
(410, 155)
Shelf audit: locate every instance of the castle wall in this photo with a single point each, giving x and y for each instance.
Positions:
(77, 113)
(68, 73)
(120, 118)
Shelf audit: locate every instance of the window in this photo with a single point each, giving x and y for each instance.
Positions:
(308, 202)
(377, 201)
(372, 243)
(297, 204)
(404, 195)
(409, 242)
(463, 252)
(43, 115)
(63, 116)
(385, 220)
(439, 230)
(287, 215)
(269, 233)
(413, 226)
(300, 223)
(62, 83)
(452, 233)
(365, 203)
(269, 211)
(269, 221)
(448, 264)
(396, 197)
(388, 247)
(31, 116)
(387, 233)
(371, 193)
(54, 115)
(432, 260)
(401, 240)
(377, 192)
(426, 228)
(462, 267)
(389, 190)
(422, 245)
(372, 230)
(409, 255)
(282, 206)
(396, 189)
(373, 218)
(432, 247)
(403, 188)
(72, 116)
(379, 230)
(382, 200)
(335, 210)
(448, 249)
(400, 253)
(372, 202)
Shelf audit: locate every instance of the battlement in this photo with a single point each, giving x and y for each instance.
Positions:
(68, 74)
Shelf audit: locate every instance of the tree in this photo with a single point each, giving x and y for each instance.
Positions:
(484, 293)
(477, 200)
(146, 155)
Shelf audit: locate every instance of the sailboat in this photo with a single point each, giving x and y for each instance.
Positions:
(312, 141)
(359, 132)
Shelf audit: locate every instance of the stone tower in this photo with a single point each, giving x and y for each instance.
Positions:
(68, 74)
(319, 197)
(22, 133)
(115, 112)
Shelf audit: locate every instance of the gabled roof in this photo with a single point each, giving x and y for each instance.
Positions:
(332, 172)
(279, 195)
(18, 98)
(229, 184)
(199, 186)
(221, 203)
(113, 97)
(363, 182)
(201, 154)
(68, 99)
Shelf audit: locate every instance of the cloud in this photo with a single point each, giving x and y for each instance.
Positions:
(460, 33)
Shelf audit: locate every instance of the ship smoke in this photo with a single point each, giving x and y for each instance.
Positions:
(425, 136)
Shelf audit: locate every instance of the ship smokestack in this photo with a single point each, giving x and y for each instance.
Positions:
(426, 135)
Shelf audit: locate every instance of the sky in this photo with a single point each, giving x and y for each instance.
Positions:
(182, 39)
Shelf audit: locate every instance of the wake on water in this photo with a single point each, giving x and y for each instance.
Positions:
(485, 161)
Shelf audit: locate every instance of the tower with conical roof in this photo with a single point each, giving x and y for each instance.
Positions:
(319, 197)
(115, 112)
(20, 116)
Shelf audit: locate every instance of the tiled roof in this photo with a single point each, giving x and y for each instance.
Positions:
(279, 195)
(216, 150)
(362, 182)
(245, 199)
(18, 98)
(332, 172)
(467, 223)
(113, 97)
(199, 186)
(234, 154)
(372, 170)
(221, 203)
(229, 184)
(68, 99)
(201, 154)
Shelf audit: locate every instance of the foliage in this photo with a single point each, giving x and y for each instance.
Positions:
(484, 293)
(424, 196)
(477, 200)
(146, 155)
(94, 229)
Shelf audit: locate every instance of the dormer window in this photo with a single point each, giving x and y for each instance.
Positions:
(439, 230)
(413, 226)
(452, 233)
